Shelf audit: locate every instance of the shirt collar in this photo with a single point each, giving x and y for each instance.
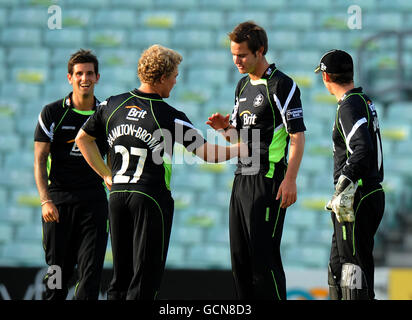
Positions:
(268, 72)
(354, 90)
(68, 101)
(137, 92)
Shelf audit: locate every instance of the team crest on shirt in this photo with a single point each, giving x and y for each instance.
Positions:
(257, 102)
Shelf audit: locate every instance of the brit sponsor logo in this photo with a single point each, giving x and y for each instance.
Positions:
(248, 118)
(135, 113)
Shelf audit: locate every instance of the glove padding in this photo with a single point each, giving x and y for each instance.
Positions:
(342, 200)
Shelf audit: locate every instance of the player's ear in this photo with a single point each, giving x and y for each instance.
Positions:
(69, 78)
(325, 77)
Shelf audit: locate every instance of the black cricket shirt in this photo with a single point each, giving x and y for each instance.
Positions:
(271, 108)
(141, 130)
(71, 179)
(357, 145)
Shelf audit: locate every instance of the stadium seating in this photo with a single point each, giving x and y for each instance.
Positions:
(33, 68)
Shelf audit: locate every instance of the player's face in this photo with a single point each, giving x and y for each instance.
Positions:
(167, 84)
(83, 78)
(243, 58)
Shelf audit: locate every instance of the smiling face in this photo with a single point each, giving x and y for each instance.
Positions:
(83, 79)
(243, 58)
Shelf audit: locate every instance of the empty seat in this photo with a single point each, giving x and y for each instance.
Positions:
(235, 17)
(209, 256)
(202, 19)
(90, 4)
(187, 235)
(333, 21)
(30, 232)
(65, 37)
(296, 20)
(76, 17)
(322, 40)
(176, 257)
(26, 16)
(107, 37)
(16, 215)
(34, 57)
(6, 233)
(193, 39)
(220, 5)
(24, 253)
(119, 57)
(383, 21)
(148, 37)
(29, 75)
(6, 123)
(158, 19)
(268, 5)
(176, 4)
(9, 142)
(23, 159)
(19, 36)
(141, 4)
(115, 18)
(208, 76)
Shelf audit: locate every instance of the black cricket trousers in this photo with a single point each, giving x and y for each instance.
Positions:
(256, 225)
(140, 227)
(80, 237)
(353, 242)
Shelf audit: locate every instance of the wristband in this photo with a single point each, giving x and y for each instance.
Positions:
(224, 129)
(45, 201)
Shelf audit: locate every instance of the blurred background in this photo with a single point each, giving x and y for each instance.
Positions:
(37, 38)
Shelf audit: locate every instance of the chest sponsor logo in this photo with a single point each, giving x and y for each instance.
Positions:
(294, 114)
(75, 149)
(68, 128)
(257, 102)
(135, 113)
(248, 118)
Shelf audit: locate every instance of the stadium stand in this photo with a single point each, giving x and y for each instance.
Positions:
(33, 72)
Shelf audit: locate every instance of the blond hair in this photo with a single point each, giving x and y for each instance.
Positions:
(157, 61)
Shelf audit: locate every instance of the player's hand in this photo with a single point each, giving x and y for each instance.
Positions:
(342, 200)
(287, 192)
(50, 212)
(108, 182)
(218, 121)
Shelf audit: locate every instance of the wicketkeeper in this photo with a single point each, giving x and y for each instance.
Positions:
(358, 203)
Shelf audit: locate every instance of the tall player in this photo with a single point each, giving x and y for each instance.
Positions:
(74, 203)
(359, 200)
(268, 115)
(141, 129)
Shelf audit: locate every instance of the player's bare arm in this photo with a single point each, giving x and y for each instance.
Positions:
(221, 123)
(288, 190)
(216, 153)
(41, 154)
(88, 147)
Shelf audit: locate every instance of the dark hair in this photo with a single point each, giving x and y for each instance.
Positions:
(82, 56)
(254, 35)
(341, 78)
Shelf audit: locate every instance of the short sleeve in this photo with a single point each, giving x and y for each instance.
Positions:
(45, 126)
(186, 134)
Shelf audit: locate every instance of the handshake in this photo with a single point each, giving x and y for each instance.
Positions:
(342, 200)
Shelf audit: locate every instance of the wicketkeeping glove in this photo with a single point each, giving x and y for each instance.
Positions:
(342, 200)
